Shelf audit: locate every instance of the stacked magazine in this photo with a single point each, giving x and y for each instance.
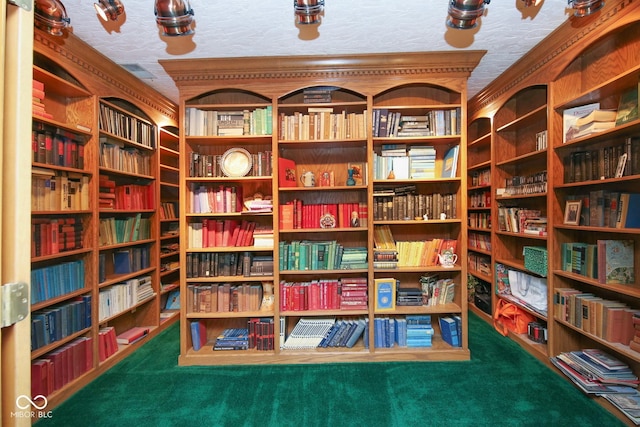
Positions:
(597, 373)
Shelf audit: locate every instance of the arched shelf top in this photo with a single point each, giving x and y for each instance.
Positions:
(322, 94)
(229, 96)
(417, 94)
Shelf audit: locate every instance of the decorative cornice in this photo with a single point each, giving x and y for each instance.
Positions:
(322, 67)
(125, 83)
(551, 54)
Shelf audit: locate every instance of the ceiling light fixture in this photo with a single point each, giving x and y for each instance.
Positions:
(109, 9)
(464, 13)
(308, 11)
(51, 16)
(174, 16)
(586, 7)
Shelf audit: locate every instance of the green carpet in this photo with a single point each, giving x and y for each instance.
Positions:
(502, 385)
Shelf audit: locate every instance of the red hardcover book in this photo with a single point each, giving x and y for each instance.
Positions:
(287, 176)
(248, 237)
(132, 335)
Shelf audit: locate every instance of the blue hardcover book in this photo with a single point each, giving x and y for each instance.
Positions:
(360, 327)
(122, 262)
(449, 330)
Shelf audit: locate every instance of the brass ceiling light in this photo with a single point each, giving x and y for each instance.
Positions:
(586, 7)
(109, 9)
(463, 14)
(174, 16)
(51, 16)
(308, 11)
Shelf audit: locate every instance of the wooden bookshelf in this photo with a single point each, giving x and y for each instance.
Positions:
(532, 96)
(351, 98)
(79, 83)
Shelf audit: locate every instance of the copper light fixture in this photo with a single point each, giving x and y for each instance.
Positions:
(109, 9)
(174, 16)
(308, 11)
(51, 16)
(463, 14)
(586, 7)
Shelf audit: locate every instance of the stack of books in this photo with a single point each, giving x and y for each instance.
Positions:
(232, 339)
(419, 330)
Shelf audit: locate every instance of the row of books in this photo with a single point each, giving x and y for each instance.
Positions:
(58, 191)
(224, 297)
(479, 241)
(324, 294)
(117, 298)
(436, 290)
(388, 123)
(527, 184)
(55, 235)
(481, 177)
(107, 343)
(414, 206)
(609, 261)
(415, 331)
(308, 333)
(60, 321)
(116, 230)
(320, 255)
(610, 320)
(116, 156)
(217, 264)
(200, 122)
(419, 253)
(215, 199)
(515, 219)
(54, 370)
(211, 233)
(479, 263)
(480, 199)
(203, 165)
(321, 123)
(168, 210)
(345, 332)
(299, 215)
(479, 220)
(126, 261)
(410, 167)
(126, 126)
(604, 162)
(56, 280)
(125, 196)
(603, 208)
(58, 147)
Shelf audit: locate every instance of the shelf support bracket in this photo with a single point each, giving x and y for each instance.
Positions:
(25, 4)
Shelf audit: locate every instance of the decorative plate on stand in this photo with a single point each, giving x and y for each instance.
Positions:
(235, 162)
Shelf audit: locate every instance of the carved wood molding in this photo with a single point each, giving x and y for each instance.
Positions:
(112, 77)
(552, 47)
(335, 67)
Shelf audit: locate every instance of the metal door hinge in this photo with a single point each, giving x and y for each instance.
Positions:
(14, 303)
(25, 4)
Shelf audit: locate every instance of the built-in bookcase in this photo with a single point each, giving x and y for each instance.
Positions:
(169, 226)
(63, 221)
(94, 217)
(584, 81)
(520, 183)
(326, 197)
(588, 180)
(226, 160)
(417, 196)
(479, 218)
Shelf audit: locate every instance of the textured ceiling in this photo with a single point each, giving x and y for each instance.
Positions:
(267, 28)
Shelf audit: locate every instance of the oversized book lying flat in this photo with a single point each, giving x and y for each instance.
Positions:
(132, 335)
